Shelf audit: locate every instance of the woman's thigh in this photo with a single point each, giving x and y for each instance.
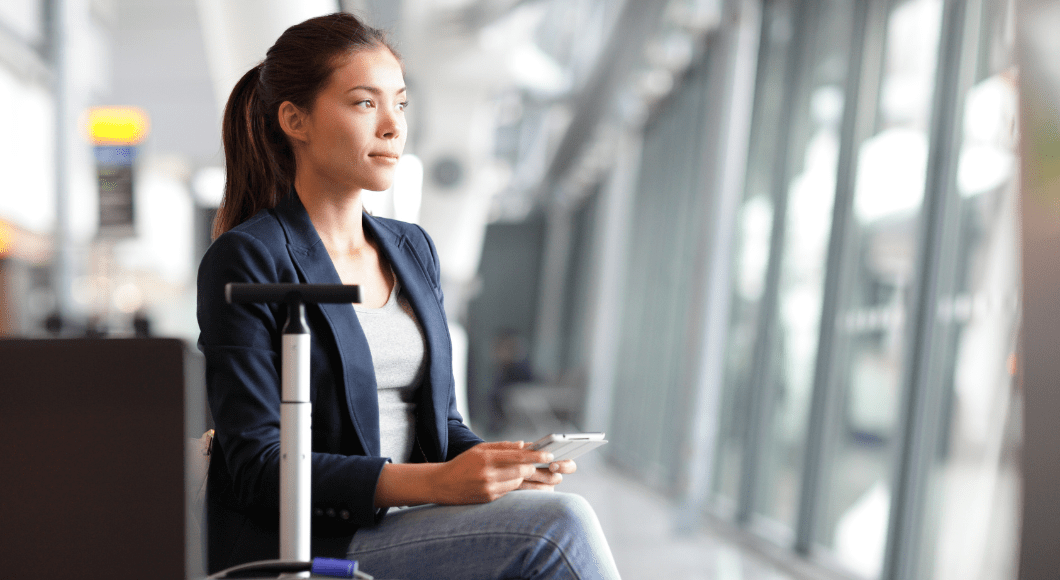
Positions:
(525, 534)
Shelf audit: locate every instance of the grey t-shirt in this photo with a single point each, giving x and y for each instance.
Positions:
(397, 343)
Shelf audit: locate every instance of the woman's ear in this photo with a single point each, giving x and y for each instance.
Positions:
(293, 121)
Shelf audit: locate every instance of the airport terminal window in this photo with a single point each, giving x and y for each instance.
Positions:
(809, 142)
(651, 410)
(635, 379)
(689, 109)
(872, 329)
(782, 246)
(969, 526)
(813, 155)
(751, 252)
(973, 526)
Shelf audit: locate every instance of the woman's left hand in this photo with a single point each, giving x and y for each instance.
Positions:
(547, 478)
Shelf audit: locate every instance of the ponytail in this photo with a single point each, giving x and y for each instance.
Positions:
(254, 180)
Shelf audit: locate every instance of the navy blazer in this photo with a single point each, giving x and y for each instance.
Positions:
(241, 345)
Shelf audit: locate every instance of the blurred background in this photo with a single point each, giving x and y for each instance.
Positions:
(772, 247)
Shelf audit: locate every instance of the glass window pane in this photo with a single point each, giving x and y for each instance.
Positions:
(651, 411)
(811, 191)
(753, 234)
(973, 519)
(872, 331)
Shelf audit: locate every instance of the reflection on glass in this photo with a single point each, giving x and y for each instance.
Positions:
(872, 331)
(811, 191)
(753, 233)
(974, 524)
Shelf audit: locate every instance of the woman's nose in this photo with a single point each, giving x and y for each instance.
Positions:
(391, 125)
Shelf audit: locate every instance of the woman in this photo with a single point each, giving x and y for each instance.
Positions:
(305, 132)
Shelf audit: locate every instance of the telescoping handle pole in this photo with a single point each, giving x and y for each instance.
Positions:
(295, 436)
(295, 405)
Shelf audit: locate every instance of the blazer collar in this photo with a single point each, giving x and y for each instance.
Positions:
(302, 234)
(303, 242)
(315, 267)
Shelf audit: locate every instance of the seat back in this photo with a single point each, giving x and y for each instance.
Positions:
(92, 440)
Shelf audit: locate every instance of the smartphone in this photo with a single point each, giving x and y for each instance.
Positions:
(568, 445)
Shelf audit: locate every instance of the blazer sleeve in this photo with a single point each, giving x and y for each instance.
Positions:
(461, 438)
(240, 343)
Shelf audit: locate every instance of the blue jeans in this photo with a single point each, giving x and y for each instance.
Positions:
(525, 534)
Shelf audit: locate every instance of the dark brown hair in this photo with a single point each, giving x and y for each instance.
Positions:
(259, 161)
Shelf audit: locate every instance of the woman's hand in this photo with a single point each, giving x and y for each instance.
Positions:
(546, 479)
(488, 471)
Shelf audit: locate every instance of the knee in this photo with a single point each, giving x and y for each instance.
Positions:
(569, 511)
(565, 520)
(569, 542)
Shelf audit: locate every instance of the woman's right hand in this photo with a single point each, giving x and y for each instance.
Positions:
(487, 472)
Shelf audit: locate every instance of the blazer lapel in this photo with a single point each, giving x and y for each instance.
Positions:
(357, 370)
(433, 400)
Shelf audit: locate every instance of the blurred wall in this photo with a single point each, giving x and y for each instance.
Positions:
(506, 297)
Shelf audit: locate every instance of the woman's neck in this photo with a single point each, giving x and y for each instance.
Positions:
(335, 215)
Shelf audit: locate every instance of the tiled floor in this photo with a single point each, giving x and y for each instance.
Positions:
(638, 526)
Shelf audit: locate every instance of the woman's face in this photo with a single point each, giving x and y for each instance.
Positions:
(355, 131)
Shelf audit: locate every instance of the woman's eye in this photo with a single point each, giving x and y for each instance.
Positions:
(363, 104)
(403, 105)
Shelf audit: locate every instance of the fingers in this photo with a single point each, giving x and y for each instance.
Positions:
(533, 485)
(509, 465)
(565, 466)
(488, 471)
(546, 477)
(529, 457)
(502, 445)
(513, 452)
(514, 472)
(518, 456)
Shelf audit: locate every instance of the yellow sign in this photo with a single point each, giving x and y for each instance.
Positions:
(118, 125)
(7, 238)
